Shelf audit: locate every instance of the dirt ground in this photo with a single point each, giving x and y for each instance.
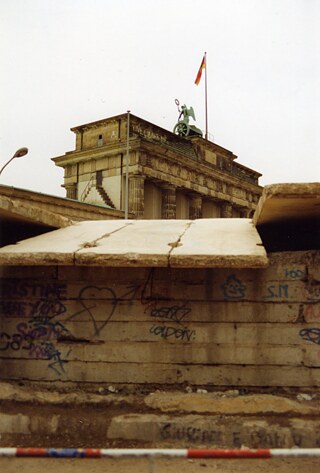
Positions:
(83, 419)
(39, 465)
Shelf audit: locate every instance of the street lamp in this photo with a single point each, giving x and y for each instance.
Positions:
(18, 154)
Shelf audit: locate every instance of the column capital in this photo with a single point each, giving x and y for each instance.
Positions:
(168, 186)
(136, 176)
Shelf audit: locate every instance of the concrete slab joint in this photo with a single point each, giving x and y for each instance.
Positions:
(178, 242)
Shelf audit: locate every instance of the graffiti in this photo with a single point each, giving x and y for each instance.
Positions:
(217, 435)
(36, 347)
(38, 334)
(42, 329)
(28, 333)
(311, 335)
(175, 313)
(277, 291)
(43, 315)
(312, 292)
(55, 355)
(44, 307)
(310, 312)
(147, 286)
(42, 321)
(48, 308)
(233, 288)
(166, 332)
(271, 439)
(294, 273)
(189, 433)
(20, 289)
(14, 308)
(93, 300)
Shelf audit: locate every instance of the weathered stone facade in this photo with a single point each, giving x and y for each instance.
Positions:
(169, 176)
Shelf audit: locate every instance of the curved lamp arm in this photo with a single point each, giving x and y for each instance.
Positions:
(18, 154)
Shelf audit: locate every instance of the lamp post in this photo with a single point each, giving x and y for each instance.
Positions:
(18, 154)
(126, 202)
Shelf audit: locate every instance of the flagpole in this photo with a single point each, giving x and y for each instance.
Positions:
(206, 95)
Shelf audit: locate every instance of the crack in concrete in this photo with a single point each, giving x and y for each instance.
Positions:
(177, 243)
(94, 243)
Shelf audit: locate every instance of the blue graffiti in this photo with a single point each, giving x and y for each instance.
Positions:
(311, 335)
(233, 288)
(277, 291)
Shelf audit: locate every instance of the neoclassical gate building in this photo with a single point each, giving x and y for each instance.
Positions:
(169, 176)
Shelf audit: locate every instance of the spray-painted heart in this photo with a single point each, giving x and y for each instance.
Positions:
(96, 299)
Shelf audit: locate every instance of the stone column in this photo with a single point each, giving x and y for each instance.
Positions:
(136, 195)
(72, 191)
(226, 210)
(168, 204)
(244, 213)
(195, 206)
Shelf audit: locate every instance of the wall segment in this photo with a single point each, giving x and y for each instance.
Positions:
(164, 326)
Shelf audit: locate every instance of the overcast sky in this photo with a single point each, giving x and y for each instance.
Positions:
(69, 62)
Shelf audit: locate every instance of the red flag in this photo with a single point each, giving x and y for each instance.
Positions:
(202, 66)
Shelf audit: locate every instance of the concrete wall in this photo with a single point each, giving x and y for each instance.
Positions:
(161, 326)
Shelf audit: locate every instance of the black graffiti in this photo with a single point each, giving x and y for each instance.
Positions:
(15, 289)
(14, 308)
(174, 313)
(311, 335)
(147, 287)
(92, 300)
(256, 438)
(261, 438)
(193, 434)
(165, 331)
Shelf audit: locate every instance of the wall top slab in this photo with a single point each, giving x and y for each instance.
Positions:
(211, 243)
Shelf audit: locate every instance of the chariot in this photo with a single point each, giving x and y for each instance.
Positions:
(182, 127)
